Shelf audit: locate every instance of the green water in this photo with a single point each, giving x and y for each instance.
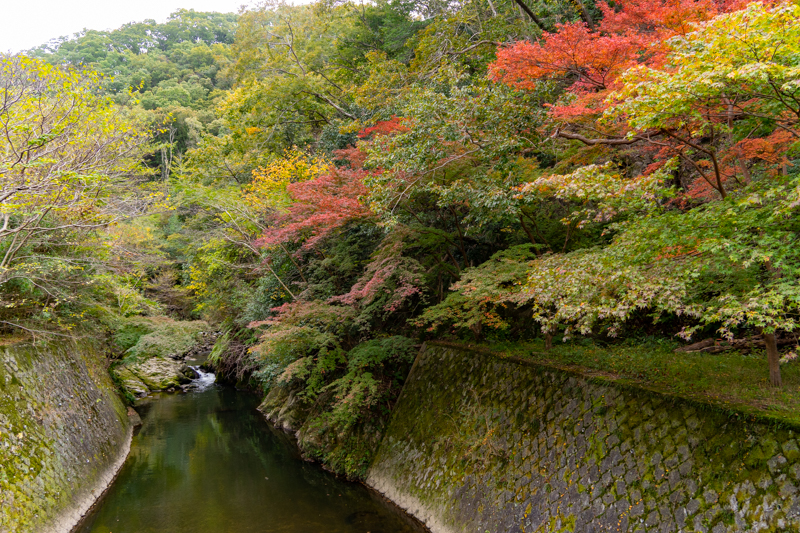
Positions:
(208, 462)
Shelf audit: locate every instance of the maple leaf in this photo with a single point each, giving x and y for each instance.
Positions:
(319, 207)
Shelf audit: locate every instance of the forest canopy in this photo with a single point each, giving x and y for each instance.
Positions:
(340, 178)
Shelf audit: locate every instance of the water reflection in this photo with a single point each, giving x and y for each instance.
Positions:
(207, 462)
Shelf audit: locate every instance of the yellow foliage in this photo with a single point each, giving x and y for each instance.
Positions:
(351, 127)
(268, 191)
(67, 153)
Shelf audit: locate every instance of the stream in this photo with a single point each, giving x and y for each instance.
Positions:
(206, 461)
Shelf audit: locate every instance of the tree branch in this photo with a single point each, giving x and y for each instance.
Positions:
(530, 13)
(332, 104)
(613, 141)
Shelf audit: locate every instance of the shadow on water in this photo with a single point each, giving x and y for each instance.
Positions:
(207, 462)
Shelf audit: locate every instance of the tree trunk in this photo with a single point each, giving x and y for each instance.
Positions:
(531, 14)
(548, 341)
(585, 14)
(773, 357)
(476, 331)
(530, 235)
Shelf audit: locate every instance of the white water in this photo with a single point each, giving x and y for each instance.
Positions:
(205, 381)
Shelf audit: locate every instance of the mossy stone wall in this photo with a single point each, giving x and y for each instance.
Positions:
(478, 443)
(62, 430)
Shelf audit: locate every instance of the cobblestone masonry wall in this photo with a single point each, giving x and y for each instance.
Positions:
(63, 430)
(483, 444)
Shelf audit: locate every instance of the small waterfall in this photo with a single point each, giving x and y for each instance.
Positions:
(204, 381)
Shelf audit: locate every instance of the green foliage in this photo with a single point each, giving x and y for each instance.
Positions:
(350, 403)
(390, 284)
(173, 70)
(480, 296)
(454, 145)
(68, 166)
(303, 343)
(736, 76)
(342, 263)
(221, 345)
(364, 385)
(128, 331)
(157, 337)
(127, 292)
(712, 264)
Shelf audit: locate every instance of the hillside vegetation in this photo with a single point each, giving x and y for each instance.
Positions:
(334, 182)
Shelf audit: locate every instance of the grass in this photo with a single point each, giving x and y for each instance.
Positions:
(731, 380)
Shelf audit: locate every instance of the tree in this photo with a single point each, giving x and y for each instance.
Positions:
(318, 208)
(64, 150)
(733, 78)
(718, 102)
(449, 144)
(587, 60)
(268, 191)
(170, 69)
(737, 75)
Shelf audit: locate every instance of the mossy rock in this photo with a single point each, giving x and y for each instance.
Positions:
(128, 331)
(284, 408)
(129, 382)
(159, 373)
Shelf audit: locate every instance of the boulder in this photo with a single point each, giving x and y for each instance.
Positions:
(130, 382)
(164, 338)
(189, 372)
(159, 373)
(284, 408)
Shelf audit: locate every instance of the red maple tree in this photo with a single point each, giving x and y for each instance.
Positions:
(320, 206)
(591, 60)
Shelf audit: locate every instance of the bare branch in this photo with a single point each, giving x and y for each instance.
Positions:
(610, 141)
(536, 20)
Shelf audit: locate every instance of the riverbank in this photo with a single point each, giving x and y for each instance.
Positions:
(70, 518)
(480, 439)
(64, 432)
(481, 442)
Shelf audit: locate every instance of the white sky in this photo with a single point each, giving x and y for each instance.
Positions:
(28, 23)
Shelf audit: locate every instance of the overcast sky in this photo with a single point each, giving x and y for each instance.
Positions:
(28, 23)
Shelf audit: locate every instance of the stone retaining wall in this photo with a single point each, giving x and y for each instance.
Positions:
(481, 444)
(63, 434)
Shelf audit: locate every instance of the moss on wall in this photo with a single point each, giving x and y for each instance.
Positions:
(480, 443)
(62, 426)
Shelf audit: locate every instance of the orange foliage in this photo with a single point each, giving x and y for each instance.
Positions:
(573, 50)
(770, 149)
(384, 127)
(651, 20)
(674, 252)
(631, 33)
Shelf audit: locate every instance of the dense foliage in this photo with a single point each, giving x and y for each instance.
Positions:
(174, 71)
(345, 177)
(67, 155)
